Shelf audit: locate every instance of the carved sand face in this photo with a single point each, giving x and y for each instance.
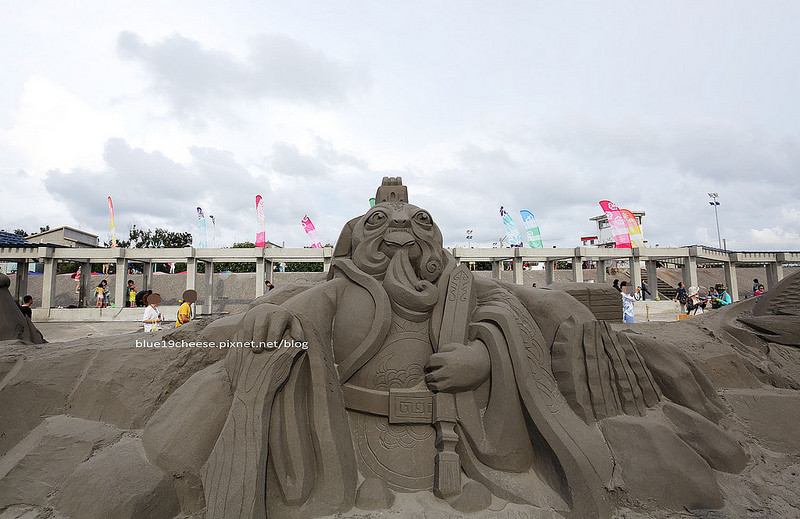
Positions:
(390, 228)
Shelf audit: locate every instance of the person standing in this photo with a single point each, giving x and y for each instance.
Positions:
(755, 286)
(627, 302)
(185, 310)
(680, 296)
(101, 294)
(131, 293)
(615, 284)
(645, 292)
(152, 316)
(76, 276)
(27, 302)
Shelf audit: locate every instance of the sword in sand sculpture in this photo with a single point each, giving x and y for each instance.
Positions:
(455, 321)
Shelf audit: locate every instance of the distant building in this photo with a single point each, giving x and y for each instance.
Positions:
(66, 237)
(9, 239)
(605, 238)
(589, 241)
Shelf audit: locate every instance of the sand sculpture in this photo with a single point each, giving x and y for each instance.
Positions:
(13, 323)
(404, 383)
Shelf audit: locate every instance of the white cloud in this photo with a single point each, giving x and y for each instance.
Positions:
(774, 237)
(475, 108)
(54, 128)
(202, 83)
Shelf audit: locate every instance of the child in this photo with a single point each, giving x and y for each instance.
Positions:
(152, 317)
(185, 311)
(131, 293)
(100, 293)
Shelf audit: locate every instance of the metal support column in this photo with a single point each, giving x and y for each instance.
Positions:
(774, 274)
(635, 268)
(147, 275)
(120, 285)
(652, 278)
(269, 267)
(260, 277)
(730, 280)
(191, 270)
(517, 270)
(601, 271)
(577, 266)
(496, 268)
(690, 268)
(49, 281)
(209, 286)
(86, 297)
(21, 283)
(549, 271)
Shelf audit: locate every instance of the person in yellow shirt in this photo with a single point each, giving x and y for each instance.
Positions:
(185, 311)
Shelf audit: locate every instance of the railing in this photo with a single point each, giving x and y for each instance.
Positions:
(687, 258)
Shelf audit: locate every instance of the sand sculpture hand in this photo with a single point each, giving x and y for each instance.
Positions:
(269, 325)
(458, 367)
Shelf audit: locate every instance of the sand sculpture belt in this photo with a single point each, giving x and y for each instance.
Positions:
(400, 405)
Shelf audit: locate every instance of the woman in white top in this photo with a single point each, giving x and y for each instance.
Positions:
(627, 302)
(152, 317)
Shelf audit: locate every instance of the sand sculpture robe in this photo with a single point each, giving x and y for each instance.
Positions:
(288, 430)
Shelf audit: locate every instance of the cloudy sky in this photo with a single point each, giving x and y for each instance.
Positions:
(545, 106)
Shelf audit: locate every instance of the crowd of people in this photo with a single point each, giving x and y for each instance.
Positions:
(689, 298)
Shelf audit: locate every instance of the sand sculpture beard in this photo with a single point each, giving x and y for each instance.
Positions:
(409, 272)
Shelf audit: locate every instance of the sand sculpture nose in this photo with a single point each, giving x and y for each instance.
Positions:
(399, 238)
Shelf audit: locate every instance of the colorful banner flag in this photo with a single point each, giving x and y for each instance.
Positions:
(534, 236)
(311, 232)
(113, 228)
(634, 230)
(618, 225)
(201, 229)
(261, 236)
(512, 232)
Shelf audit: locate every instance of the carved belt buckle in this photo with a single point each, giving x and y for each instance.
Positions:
(410, 406)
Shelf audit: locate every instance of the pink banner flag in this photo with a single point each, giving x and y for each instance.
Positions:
(618, 225)
(311, 232)
(634, 230)
(261, 236)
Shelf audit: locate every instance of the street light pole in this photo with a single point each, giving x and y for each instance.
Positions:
(469, 237)
(714, 202)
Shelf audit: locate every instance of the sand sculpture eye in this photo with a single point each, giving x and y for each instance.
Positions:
(423, 218)
(376, 219)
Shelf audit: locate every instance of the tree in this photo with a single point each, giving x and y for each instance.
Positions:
(237, 266)
(156, 239)
(159, 238)
(20, 232)
(313, 266)
(44, 229)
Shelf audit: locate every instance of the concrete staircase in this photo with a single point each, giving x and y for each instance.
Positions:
(665, 290)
